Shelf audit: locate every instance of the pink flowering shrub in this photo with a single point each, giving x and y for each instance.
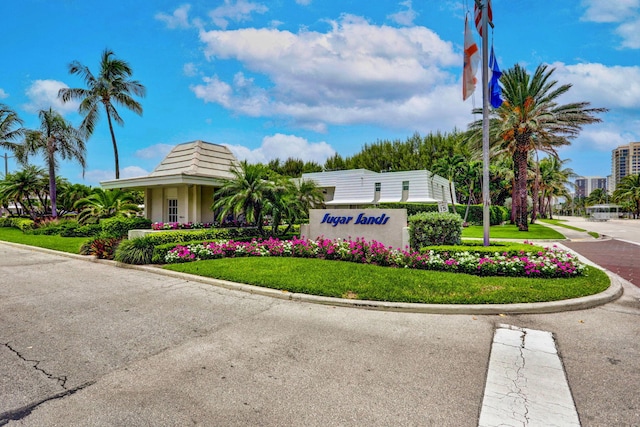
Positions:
(550, 263)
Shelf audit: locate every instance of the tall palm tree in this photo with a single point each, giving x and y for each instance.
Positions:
(531, 118)
(55, 138)
(449, 167)
(244, 193)
(111, 87)
(105, 204)
(628, 190)
(10, 128)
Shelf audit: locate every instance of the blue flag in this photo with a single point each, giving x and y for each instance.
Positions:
(495, 90)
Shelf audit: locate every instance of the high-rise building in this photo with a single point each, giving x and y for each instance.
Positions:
(625, 160)
(584, 185)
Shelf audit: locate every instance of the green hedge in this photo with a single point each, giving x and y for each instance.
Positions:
(497, 214)
(119, 226)
(433, 228)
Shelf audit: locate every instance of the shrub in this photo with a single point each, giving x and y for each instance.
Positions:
(24, 224)
(119, 226)
(101, 247)
(432, 228)
(497, 214)
(88, 230)
(6, 221)
(137, 251)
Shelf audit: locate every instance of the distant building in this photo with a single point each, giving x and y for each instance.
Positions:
(625, 160)
(360, 187)
(586, 184)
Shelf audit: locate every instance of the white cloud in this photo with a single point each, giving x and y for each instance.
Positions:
(356, 72)
(189, 69)
(606, 137)
(404, 17)
(43, 94)
(280, 146)
(154, 151)
(624, 12)
(178, 19)
(609, 10)
(3, 94)
(303, 2)
(133, 172)
(630, 33)
(238, 11)
(603, 86)
(98, 175)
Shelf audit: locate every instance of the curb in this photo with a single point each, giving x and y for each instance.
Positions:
(613, 292)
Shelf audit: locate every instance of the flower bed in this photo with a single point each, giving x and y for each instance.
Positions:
(550, 263)
(180, 225)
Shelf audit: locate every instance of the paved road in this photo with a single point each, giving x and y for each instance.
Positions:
(85, 343)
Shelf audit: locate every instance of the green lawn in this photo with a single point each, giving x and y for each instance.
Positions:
(561, 223)
(63, 244)
(508, 231)
(369, 282)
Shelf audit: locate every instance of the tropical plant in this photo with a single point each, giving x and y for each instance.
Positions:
(244, 193)
(55, 138)
(24, 188)
(629, 190)
(111, 87)
(105, 204)
(555, 180)
(598, 196)
(69, 194)
(531, 118)
(10, 128)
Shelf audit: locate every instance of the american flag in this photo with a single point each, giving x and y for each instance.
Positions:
(478, 14)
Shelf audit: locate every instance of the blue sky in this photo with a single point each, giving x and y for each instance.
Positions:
(309, 78)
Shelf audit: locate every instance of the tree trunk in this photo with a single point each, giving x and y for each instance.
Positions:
(113, 140)
(520, 157)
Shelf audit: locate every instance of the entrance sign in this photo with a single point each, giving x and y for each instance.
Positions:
(387, 226)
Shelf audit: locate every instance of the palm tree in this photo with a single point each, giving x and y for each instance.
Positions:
(105, 204)
(598, 196)
(10, 128)
(554, 182)
(470, 175)
(68, 194)
(244, 193)
(111, 86)
(531, 118)
(56, 137)
(628, 190)
(449, 167)
(21, 187)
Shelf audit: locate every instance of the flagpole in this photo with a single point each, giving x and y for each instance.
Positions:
(486, 198)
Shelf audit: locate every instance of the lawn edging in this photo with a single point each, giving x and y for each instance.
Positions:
(613, 292)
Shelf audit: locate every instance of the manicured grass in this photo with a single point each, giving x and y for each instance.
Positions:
(63, 244)
(508, 231)
(561, 223)
(370, 282)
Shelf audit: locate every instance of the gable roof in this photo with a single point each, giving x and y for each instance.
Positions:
(195, 162)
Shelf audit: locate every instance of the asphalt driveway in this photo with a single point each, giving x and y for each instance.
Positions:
(85, 343)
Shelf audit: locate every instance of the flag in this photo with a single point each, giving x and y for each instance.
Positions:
(495, 91)
(471, 59)
(478, 15)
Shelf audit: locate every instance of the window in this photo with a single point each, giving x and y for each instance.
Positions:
(378, 186)
(405, 185)
(173, 210)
